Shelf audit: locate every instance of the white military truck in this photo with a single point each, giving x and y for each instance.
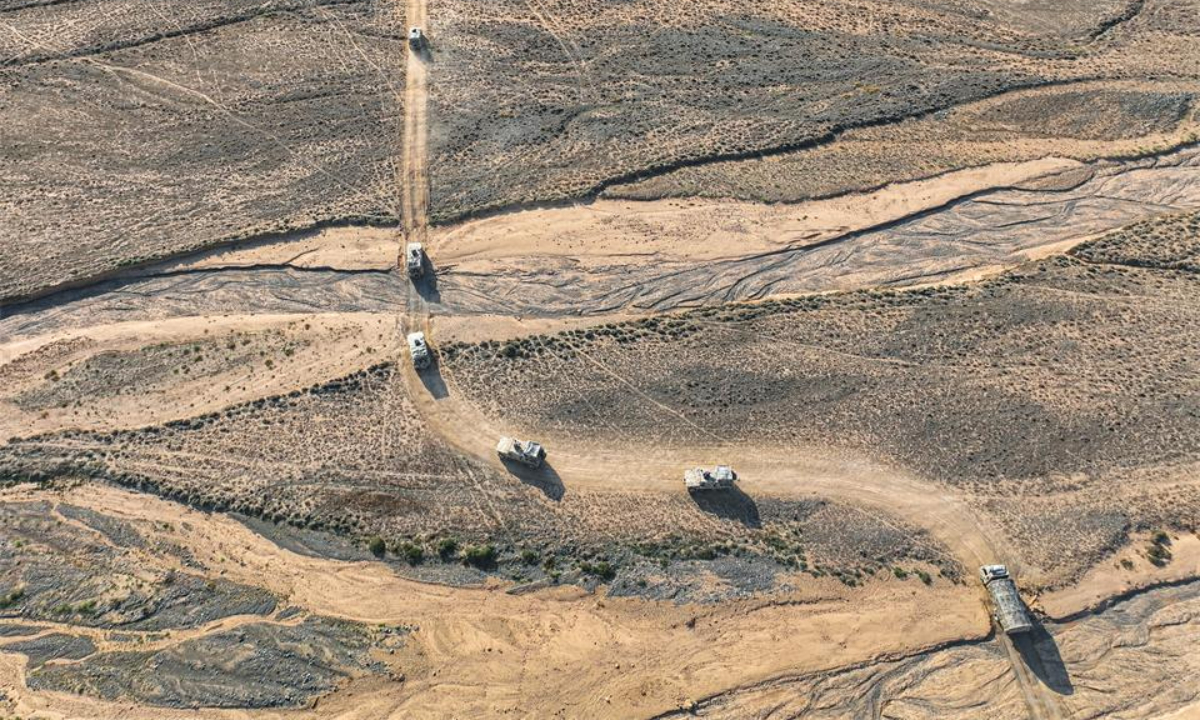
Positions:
(419, 349)
(525, 452)
(721, 477)
(1010, 611)
(414, 260)
(416, 38)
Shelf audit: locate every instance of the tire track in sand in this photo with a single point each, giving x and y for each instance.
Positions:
(414, 175)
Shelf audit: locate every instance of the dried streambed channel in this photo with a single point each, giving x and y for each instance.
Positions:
(655, 256)
(610, 256)
(231, 644)
(1133, 659)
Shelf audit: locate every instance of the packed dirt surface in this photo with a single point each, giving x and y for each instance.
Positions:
(927, 275)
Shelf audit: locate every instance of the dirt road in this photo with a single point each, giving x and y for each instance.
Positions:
(414, 179)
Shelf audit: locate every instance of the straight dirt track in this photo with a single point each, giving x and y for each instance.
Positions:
(414, 182)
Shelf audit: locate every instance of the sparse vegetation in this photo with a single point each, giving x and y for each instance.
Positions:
(1158, 552)
(481, 556)
(11, 598)
(412, 553)
(447, 547)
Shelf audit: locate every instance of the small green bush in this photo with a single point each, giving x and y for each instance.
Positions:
(413, 553)
(12, 598)
(1158, 554)
(900, 572)
(447, 547)
(529, 557)
(602, 569)
(376, 546)
(481, 556)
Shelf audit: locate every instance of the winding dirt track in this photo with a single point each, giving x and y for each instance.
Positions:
(578, 463)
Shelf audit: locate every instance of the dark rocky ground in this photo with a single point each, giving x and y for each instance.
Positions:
(164, 126)
(561, 99)
(100, 578)
(93, 574)
(258, 665)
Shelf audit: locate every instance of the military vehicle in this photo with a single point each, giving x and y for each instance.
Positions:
(419, 349)
(525, 452)
(721, 477)
(1010, 610)
(414, 260)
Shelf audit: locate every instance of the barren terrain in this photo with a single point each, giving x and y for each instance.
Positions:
(925, 274)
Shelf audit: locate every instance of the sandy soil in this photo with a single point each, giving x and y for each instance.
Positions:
(480, 651)
(344, 248)
(201, 334)
(612, 256)
(1112, 579)
(319, 348)
(483, 651)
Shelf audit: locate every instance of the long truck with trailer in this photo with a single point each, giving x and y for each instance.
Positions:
(1010, 610)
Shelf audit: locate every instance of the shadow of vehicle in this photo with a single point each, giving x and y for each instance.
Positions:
(729, 504)
(431, 378)
(1040, 654)
(423, 51)
(427, 286)
(545, 478)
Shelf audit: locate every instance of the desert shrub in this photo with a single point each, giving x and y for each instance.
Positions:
(900, 573)
(601, 569)
(1158, 555)
(12, 598)
(529, 557)
(376, 546)
(447, 547)
(412, 553)
(1157, 552)
(481, 556)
